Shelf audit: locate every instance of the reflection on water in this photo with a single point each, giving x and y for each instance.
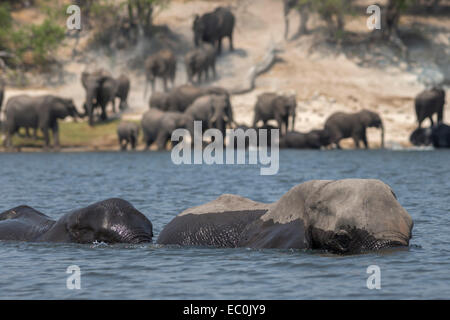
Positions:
(58, 183)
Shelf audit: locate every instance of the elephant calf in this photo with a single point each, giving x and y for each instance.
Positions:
(128, 133)
(199, 61)
(341, 125)
(428, 103)
(438, 136)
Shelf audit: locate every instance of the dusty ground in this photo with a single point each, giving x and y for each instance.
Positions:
(324, 78)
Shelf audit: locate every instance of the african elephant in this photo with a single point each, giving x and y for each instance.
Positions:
(110, 221)
(347, 216)
(314, 139)
(157, 126)
(179, 98)
(438, 136)
(429, 102)
(123, 88)
(214, 111)
(342, 125)
(289, 5)
(213, 26)
(36, 112)
(277, 107)
(127, 132)
(162, 64)
(100, 90)
(199, 61)
(259, 134)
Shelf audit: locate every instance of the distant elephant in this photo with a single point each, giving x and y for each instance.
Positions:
(109, 221)
(268, 140)
(2, 92)
(314, 139)
(162, 64)
(428, 103)
(36, 112)
(157, 126)
(271, 106)
(159, 100)
(213, 26)
(123, 88)
(199, 61)
(179, 98)
(289, 5)
(349, 216)
(342, 125)
(127, 132)
(438, 136)
(100, 90)
(214, 111)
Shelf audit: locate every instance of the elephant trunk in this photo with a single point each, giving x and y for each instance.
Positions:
(382, 136)
(293, 122)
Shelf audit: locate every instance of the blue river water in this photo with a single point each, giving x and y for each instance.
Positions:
(55, 183)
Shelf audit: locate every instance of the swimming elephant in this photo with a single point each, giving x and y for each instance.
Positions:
(199, 61)
(162, 64)
(314, 139)
(214, 111)
(438, 136)
(37, 112)
(180, 98)
(127, 133)
(341, 125)
(271, 106)
(110, 221)
(213, 26)
(344, 216)
(157, 126)
(429, 102)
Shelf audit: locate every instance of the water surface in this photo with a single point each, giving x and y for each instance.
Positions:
(60, 182)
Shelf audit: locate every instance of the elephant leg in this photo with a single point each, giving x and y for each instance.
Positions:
(356, 140)
(161, 140)
(46, 137)
(27, 132)
(231, 42)
(103, 116)
(35, 133)
(133, 142)
(431, 120)
(55, 134)
(364, 140)
(219, 49)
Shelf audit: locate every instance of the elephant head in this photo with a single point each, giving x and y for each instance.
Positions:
(292, 106)
(223, 113)
(198, 27)
(372, 119)
(62, 108)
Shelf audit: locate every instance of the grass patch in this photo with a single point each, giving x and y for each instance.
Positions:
(75, 134)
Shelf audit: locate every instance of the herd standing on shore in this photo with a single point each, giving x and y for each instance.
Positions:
(179, 106)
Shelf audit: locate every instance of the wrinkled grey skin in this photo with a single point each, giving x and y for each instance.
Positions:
(157, 126)
(37, 112)
(180, 98)
(270, 106)
(214, 111)
(110, 221)
(438, 136)
(315, 139)
(199, 61)
(127, 133)
(428, 103)
(213, 26)
(341, 125)
(100, 90)
(289, 5)
(123, 88)
(162, 64)
(344, 216)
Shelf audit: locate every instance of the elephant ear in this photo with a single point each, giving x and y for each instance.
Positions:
(366, 117)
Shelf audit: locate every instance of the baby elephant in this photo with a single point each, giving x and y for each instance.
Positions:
(127, 132)
(200, 61)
